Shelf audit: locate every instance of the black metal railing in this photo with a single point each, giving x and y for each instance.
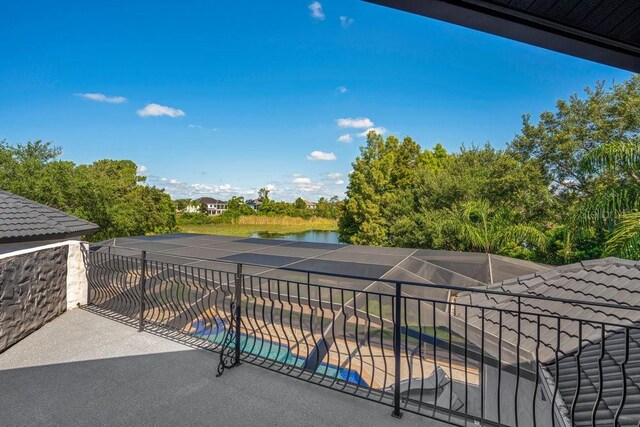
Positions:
(504, 360)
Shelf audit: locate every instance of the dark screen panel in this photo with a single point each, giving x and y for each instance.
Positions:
(262, 259)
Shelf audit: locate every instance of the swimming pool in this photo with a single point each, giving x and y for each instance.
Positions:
(273, 351)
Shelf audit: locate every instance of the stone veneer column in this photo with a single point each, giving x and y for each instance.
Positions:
(37, 285)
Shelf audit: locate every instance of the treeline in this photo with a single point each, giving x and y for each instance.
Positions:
(325, 208)
(108, 193)
(237, 207)
(566, 188)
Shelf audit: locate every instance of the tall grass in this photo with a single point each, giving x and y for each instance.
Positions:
(285, 220)
(247, 225)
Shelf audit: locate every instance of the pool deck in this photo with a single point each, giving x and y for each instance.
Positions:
(83, 369)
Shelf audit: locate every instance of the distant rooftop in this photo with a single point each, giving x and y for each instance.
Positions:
(209, 200)
(23, 220)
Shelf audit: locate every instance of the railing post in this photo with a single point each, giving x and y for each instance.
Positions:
(230, 357)
(143, 283)
(238, 307)
(396, 350)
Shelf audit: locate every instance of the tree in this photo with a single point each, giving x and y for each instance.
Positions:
(618, 165)
(299, 203)
(561, 139)
(484, 228)
(107, 192)
(327, 208)
(111, 194)
(237, 207)
(263, 195)
(589, 150)
(382, 167)
(625, 239)
(398, 194)
(181, 204)
(617, 204)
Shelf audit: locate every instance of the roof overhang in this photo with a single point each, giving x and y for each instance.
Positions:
(51, 236)
(619, 49)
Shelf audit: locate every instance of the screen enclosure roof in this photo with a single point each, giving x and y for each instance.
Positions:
(291, 260)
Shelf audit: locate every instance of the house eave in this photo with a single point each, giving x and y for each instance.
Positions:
(524, 27)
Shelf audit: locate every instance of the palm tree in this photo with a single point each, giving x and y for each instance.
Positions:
(625, 239)
(618, 206)
(478, 225)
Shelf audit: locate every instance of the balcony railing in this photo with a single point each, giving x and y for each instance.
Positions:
(452, 359)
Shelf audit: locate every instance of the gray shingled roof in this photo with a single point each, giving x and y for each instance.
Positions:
(25, 220)
(609, 281)
(612, 379)
(209, 200)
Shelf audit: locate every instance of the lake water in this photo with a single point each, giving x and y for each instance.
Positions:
(308, 236)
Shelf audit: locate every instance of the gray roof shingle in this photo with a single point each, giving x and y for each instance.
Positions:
(609, 281)
(209, 200)
(25, 220)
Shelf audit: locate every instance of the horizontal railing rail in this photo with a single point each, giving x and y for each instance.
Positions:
(473, 289)
(452, 360)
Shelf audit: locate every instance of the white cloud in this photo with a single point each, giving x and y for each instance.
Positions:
(101, 97)
(355, 122)
(378, 130)
(302, 180)
(346, 138)
(306, 185)
(142, 170)
(155, 110)
(288, 190)
(336, 177)
(345, 21)
(316, 11)
(321, 155)
(342, 89)
(193, 126)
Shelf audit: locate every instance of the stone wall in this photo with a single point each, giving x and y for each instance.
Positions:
(33, 291)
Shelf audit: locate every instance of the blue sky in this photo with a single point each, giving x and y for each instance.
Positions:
(223, 97)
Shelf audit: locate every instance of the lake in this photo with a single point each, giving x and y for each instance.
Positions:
(307, 236)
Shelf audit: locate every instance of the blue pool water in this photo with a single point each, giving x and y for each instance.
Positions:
(273, 351)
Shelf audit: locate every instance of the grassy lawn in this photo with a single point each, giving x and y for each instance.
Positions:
(247, 225)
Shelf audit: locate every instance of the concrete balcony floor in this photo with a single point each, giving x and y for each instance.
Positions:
(84, 369)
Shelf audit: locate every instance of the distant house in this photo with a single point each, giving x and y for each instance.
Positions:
(25, 223)
(193, 207)
(254, 204)
(214, 206)
(309, 204)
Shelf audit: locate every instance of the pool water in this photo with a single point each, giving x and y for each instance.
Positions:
(273, 351)
(307, 236)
